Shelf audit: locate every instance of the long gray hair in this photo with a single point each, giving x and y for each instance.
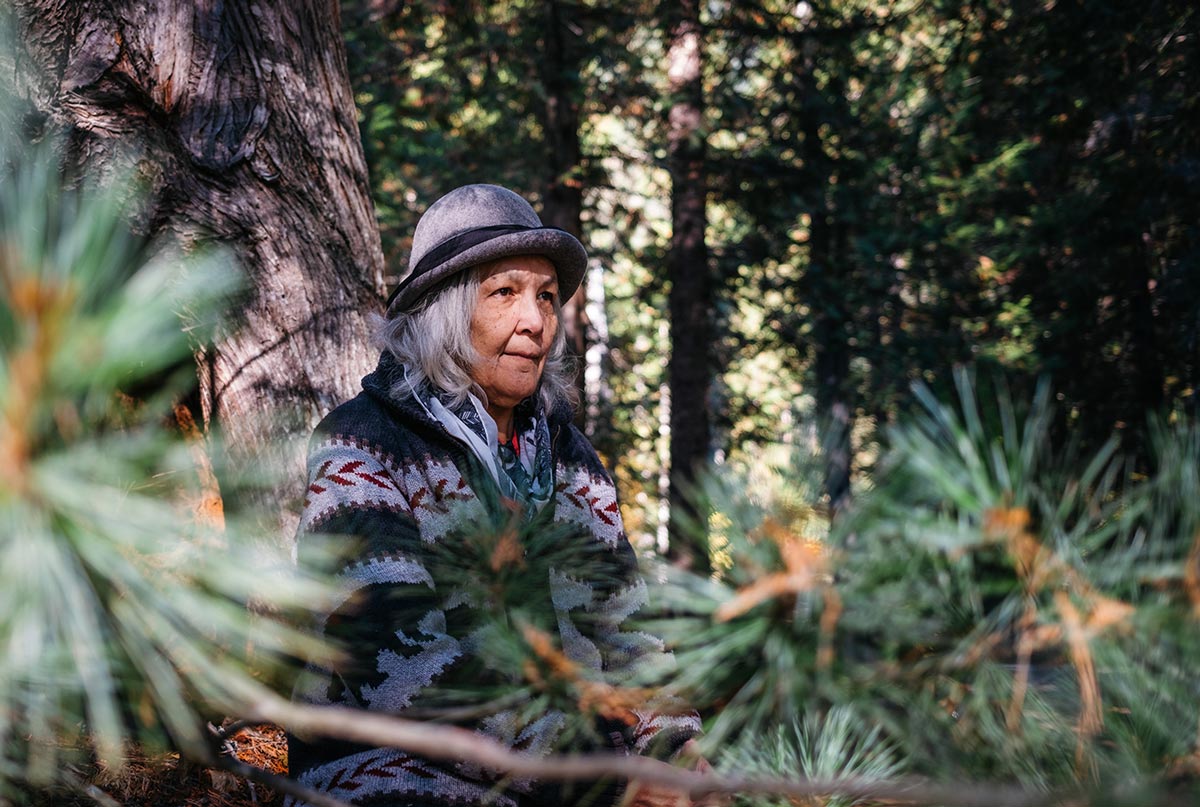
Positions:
(433, 342)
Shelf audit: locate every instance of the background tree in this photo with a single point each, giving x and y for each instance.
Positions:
(240, 123)
(687, 270)
(561, 57)
(1085, 215)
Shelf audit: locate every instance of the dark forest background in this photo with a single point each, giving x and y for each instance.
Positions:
(890, 338)
(887, 191)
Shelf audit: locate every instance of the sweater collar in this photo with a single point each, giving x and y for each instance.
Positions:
(389, 372)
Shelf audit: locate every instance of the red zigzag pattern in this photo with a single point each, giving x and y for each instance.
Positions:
(342, 475)
(581, 499)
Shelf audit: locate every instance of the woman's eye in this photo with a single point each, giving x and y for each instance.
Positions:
(548, 296)
(503, 291)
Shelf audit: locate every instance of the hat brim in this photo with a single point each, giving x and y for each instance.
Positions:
(560, 247)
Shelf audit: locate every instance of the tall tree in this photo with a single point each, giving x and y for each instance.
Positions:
(690, 373)
(833, 268)
(796, 179)
(241, 121)
(560, 69)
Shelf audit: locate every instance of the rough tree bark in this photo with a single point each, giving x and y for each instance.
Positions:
(690, 370)
(240, 118)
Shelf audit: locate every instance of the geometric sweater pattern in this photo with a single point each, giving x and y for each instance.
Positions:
(391, 482)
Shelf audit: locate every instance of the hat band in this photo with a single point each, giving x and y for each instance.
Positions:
(453, 246)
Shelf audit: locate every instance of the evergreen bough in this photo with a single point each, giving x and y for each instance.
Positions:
(995, 606)
(125, 589)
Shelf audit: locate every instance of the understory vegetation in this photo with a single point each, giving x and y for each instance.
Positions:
(947, 529)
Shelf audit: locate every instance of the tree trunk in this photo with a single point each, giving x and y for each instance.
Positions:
(832, 360)
(825, 283)
(564, 187)
(691, 285)
(241, 119)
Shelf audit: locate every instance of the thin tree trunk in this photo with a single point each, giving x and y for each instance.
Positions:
(241, 119)
(1143, 335)
(691, 286)
(564, 187)
(832, 364)
(825, 288)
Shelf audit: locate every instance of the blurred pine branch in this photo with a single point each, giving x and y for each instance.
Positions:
(123, 609)
(993, 607)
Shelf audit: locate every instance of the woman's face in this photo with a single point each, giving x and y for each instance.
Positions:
(513, 327)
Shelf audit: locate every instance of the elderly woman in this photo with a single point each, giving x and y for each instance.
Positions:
(465, 422)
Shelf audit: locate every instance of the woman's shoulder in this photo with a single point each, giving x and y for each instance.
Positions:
(367, 420)
(362, 413)
(574, 450)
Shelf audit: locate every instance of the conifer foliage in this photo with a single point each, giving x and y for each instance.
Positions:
(993, 609)
(124, 584)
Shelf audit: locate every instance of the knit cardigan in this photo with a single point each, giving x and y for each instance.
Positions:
(384, 474)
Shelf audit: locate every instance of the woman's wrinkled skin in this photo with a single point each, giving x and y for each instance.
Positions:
(512, 329)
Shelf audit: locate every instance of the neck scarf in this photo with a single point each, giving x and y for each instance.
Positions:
(526, 475)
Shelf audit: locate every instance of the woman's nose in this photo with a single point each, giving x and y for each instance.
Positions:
(529, 315)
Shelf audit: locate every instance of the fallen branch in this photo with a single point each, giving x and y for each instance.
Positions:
(279, 783)
(72, 778)
(452, 743)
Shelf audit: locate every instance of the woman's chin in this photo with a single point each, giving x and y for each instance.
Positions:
(508, 395)
(508, 399)
(510, 380)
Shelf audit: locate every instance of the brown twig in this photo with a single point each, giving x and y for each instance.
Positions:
(209, 507)
(1191, 576)
(280, 783)
(77, 782)
(828, 627)
(453, 743)
(1021, 680)
(1091, 715)
(806, 567)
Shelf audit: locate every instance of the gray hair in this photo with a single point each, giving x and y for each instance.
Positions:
(433, 342)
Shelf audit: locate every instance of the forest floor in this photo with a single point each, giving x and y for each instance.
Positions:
(170, 781)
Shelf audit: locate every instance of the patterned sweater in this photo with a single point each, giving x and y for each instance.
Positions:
(384, 474)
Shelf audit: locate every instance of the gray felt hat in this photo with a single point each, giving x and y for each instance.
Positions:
(475, 224)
